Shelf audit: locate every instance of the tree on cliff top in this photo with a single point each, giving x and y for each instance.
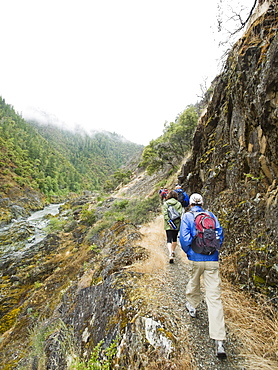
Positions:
(170, 148)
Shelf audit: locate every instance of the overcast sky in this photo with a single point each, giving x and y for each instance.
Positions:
(124, 66)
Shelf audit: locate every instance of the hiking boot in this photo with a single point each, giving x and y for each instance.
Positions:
(191, 310)
(173, 254)
(171, 259)
(220, 350)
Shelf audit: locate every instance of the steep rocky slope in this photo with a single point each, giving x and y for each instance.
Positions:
(234, 162)
(75, 289)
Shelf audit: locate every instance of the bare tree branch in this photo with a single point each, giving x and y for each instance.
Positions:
(243, 23)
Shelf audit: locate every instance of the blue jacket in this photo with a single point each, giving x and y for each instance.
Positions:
(185, 197)
(187, 232)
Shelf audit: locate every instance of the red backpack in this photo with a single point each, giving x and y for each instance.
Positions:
(164, 193)
(206, 241)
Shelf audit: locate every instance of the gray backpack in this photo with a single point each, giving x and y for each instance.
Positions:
(173, 213)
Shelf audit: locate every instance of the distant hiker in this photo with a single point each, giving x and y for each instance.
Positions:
(206, 265)
(182, 196)
(160, 190)
(163, 194)
(171, 223)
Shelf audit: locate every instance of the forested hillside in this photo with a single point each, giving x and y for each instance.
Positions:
(55, 161)
(29, 160)
(95, 156)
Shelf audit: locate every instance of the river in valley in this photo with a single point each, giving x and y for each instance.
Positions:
(23, 233)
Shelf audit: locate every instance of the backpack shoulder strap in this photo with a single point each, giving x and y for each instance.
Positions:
(204, 214)
(196, 213)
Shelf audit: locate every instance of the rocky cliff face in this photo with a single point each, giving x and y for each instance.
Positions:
(234, 162)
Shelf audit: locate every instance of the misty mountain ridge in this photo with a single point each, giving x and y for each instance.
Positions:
(56, 161)
(41, 117)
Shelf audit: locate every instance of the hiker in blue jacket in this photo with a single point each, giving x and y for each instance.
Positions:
(183, 198)
(208, 266)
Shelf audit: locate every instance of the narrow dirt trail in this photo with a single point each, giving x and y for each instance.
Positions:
(251, 323)
(171, 292)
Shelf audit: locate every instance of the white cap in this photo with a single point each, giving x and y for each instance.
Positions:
(196, 199)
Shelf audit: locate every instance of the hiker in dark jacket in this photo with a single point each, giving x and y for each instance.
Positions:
(182, 196)
(171, 234)
(208, 266)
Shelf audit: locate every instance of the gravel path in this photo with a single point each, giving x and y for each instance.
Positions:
(170, 298)
(202, 347)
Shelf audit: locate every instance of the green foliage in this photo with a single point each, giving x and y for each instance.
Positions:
(154, 155)
(100, 198)
(98, 227)
(37, 285)
(56, 161)
(39, 335)
(171, 147)
(55, 224)
(119, 177)
(100, 359)
(28, 159)
(94, 248)
(88, 216)
(121, 204)
(136, 211)
(141, 211)
(118, 211)
(114, 214)
(252, 177)
(95, 156)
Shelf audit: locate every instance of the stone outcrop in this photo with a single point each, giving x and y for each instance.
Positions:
(234, 162)
(18, 203)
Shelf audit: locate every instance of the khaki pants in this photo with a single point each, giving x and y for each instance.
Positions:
(210, 272)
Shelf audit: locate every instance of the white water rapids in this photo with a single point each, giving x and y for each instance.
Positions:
(23, 233)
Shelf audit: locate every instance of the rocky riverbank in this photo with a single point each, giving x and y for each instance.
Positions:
(19, 203)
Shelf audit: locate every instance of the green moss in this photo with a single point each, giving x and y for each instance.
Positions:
(8, 320)
(241, 203)
(208, 121)
(94, 248)
(10, 366)
(258, 280)
(37, 285)
(167, 334)
(96, 281)
(205, 156)
(123, 241)
(252, 177)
